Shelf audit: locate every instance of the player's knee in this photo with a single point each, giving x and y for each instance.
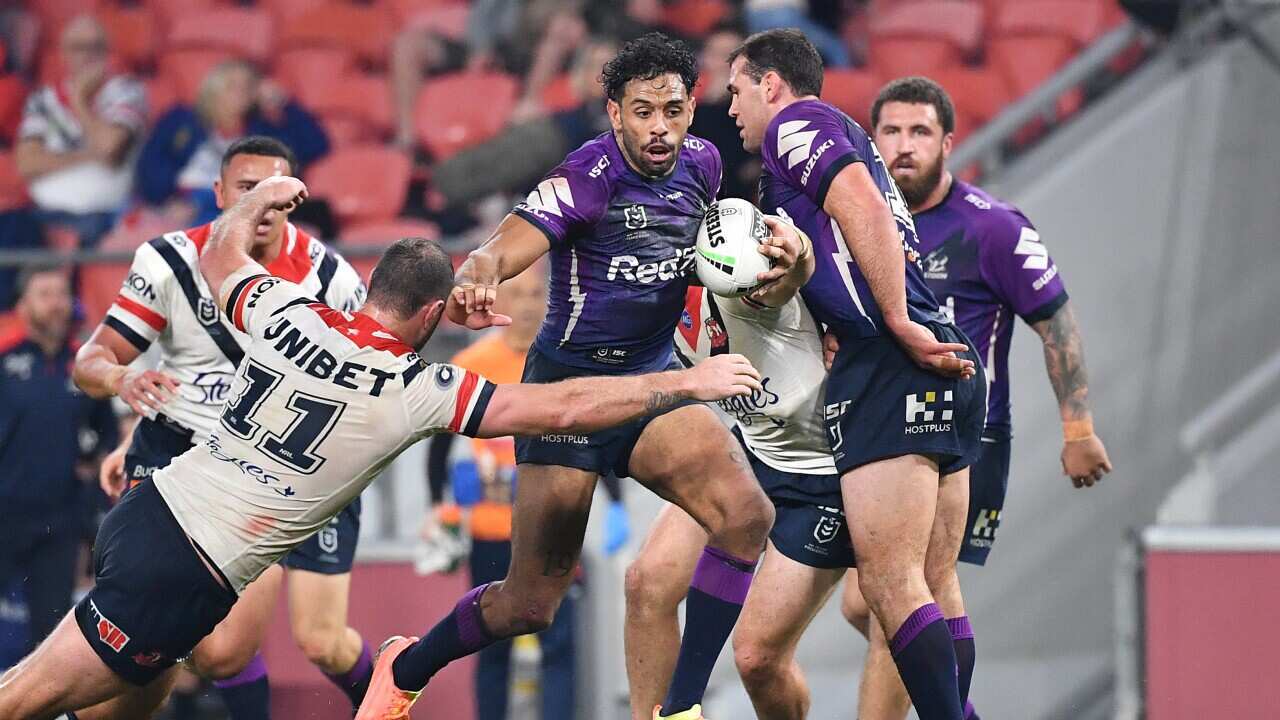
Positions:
(534, 616)
(648, 589)
(318, 645)
(219, 660)
(757, 663)
(751, 515)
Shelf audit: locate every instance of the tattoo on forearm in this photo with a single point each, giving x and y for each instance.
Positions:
(558, 564)
(1064, 360)
(661, 400)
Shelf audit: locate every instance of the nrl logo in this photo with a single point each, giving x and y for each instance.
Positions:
(208, 313)
(636, 219)
(826, 529)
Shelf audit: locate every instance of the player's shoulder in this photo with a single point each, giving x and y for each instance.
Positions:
(595, 161)
(993, 219)
(168, 254)
(705, 156)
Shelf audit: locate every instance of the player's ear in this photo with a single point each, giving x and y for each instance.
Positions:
(612, 107)
(217, 193)
(948, 141)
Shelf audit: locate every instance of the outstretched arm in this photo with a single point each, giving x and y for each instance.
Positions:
(592, 403)
(512, 248)
(1084, 457)
(228, 247)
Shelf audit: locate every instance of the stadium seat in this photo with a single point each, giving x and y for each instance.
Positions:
(896, 57)
(852, 91)
(1027, 62)
(301, 68)
(167, 11)
(136, 227)
(365, 30)
(460, 110)
(54, 13)
(447, 20)
(404, 10)
(133, 34)
(363, 97)
(13, 189)
(99, 285)
(1082, 21)
(344, 131)
(283, 11)
(185, 69)
(978, 93)
(245, 32)
(559, 94)
(694, 18)
(362, 183)
(13, 93)
(957, 23)
(383, 233)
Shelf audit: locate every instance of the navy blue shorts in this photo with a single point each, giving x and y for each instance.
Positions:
(153, 598)
(605, 451)
(154, 444)
(880, 405)
(988, 483)
(332, 550)
(809, 525)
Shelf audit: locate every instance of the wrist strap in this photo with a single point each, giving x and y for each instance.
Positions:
(1073, 430)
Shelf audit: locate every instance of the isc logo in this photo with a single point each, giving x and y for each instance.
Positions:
(112, 636)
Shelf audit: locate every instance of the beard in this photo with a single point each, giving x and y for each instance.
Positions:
(916, 190)
(636, 153)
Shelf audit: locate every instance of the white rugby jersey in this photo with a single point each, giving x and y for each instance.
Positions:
(323, 402)
(782, 423)
(165, 298)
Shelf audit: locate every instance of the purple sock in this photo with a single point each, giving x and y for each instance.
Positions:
(460, 633)
(355, 682)
(247, 695)
(926, 658)
(966, 657)
(719, 587)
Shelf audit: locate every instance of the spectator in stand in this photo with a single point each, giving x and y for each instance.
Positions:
(768, 14)
(183, 157)
(47, 428)
(77, 137)
(515, 160)
(712, 121)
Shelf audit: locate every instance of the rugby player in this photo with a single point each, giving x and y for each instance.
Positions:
(620, 217)
(323, 401)
(164, 299)
(906, 397)
(986, 264)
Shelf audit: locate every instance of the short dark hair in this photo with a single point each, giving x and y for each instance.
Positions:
(787, 52)
(260, 145)
(413, 272)
(28, 271)
(916, 90)
(645, 58)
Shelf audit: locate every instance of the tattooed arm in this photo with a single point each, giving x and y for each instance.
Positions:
(1084, 457)
(587, 404)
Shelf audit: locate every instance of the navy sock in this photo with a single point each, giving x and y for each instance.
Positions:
(247, 695)
(966, 657)
(719, 587)
(459, 634)
(355, 682)
(926, 658)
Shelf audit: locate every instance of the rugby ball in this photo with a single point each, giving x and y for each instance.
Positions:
(728, 255)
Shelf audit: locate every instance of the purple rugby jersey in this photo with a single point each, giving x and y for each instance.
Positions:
(985, 263)
(622, 249)
(805, 146)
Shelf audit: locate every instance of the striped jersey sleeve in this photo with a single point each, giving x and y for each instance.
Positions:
(140, 312)
(446, 398)
(253, 297)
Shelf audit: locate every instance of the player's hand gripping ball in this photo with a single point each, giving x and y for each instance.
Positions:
(728, 254)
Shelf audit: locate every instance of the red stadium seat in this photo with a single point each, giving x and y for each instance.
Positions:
(283, 11)
(345, 131)
(13, 189)
(1026, 62)
(185, 70)
(99, 285)
(559, 94)
(978, 93)
(362, 183)
(463, 109)
(133, 34)
(1082, 21)
(167, 11)
(385, 232)
(404, 10)
(13, 93)
(54, 13)
(245, 32)
(447, 20)
(955, 22)
(300, 68)
(852, 91)
(359, 96)
(694, 18)
(894, 57)
(365, 30)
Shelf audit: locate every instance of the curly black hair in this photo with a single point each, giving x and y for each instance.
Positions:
(645, 58)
